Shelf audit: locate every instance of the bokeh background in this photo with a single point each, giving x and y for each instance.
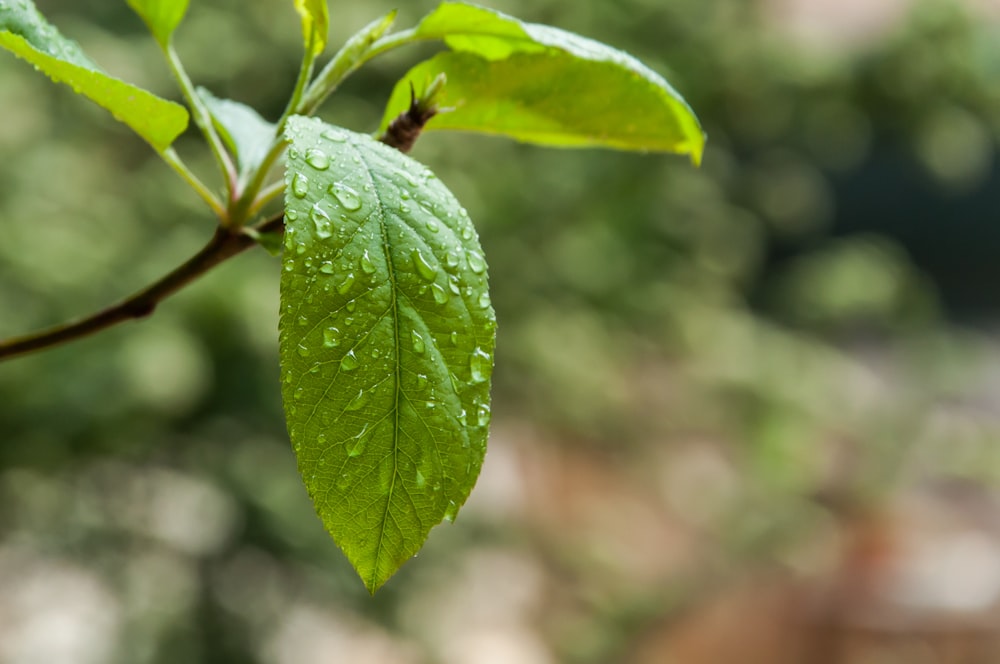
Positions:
(745, 413)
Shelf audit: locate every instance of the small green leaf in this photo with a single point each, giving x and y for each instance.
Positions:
(161, 16)
(315, 24)
(543, 85)
(386, 341)
(24, 32)
(245, 133)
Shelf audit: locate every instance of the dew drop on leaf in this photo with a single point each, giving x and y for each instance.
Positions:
(346, 284)
(347, 197)
(480, 366)
(324, 228)
(483, 414)
(300, 185)
(427, 270)
(476, 262)
(317, 159)
(440, 294)
(350, 361)
(358, 402)
(418, 342)
(331, 337)
(367, 266)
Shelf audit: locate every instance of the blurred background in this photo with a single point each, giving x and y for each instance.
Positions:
(748, 413)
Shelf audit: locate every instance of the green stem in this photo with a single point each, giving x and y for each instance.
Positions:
(266, 195)
(248, 201)
(202, 119)
(349, 58)
(174, 161)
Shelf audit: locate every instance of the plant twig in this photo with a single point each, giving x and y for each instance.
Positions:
(223, 245)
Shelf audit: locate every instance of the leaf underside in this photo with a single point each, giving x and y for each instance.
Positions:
(245, 132)
(539, 84)
(24, 32)
(386, 341)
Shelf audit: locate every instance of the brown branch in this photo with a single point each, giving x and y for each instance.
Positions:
(225, 244)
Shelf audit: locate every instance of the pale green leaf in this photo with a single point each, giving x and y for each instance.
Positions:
(315, 24)
(245, 133)
(24, 32)
(161, 16)
(544, 85)
(386, 343)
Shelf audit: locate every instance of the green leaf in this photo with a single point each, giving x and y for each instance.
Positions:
(161, 16)
(245, 133)
(315, 24)
(24, 32)
(543, 85)
(386, 341)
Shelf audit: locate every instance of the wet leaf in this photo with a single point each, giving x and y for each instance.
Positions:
(386, 343)
(27, 34)
(543, 85)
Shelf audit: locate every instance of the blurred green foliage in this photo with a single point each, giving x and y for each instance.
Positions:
(766, 308)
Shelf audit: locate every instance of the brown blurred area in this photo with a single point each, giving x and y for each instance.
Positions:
(747, 413)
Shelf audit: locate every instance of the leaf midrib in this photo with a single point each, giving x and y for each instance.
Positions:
(397, 388)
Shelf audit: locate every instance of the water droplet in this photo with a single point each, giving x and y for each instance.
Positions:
(454, 337)
(303, 351)
(467, 232)
(331, 337)
(358, 446)
(476, 262)
(421, 381)
(358, 401)
(291, 215)
(298, 393)
(440, 294)
(484, 300)
(348, 198)
(300, 185)
(349, 320)
(324, 228)
(463, 418)
(453, 286)
(480, 366)
(321, 439)
(327, 268)
(452, 260)
(302, 320)
(418, 342)
(376, 353)
(367, 266)
(431, 404)
(451, 512)
(427, 270)
(351, 306)
(334, 135)
(420, 480)
(433, 226)
(483, 414)
(317, 159)
(350, 361)
(346, 284)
